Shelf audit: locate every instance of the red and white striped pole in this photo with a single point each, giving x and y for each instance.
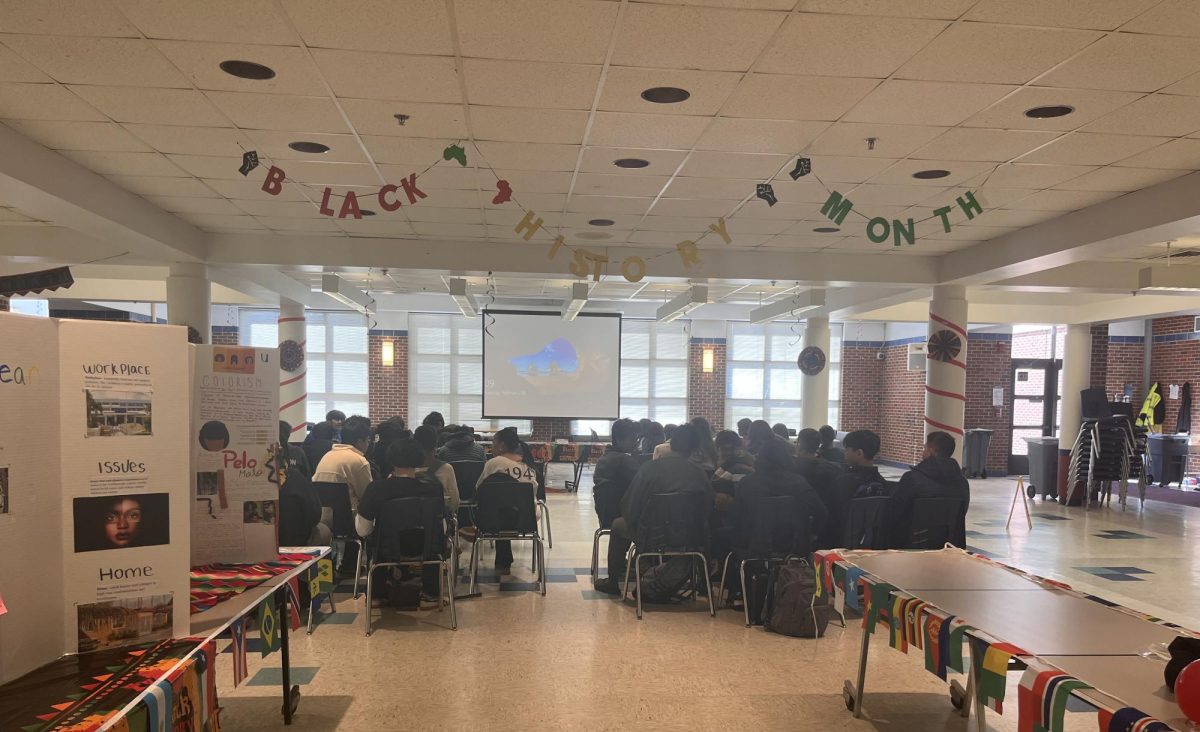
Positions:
(946, 367)
(293, 387)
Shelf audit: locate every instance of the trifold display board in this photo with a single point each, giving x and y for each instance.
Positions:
(235, 423)
(94, 487)
(536, 364)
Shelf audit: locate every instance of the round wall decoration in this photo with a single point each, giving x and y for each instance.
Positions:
(811, 361)
(944, 346)
(291, 356)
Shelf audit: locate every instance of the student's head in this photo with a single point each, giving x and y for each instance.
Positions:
(406, 455)
(775, 458)
(356, 431)
(427, 437)
(808, 441)
(704, 434)
(336, 418)
(214, 436)
(123, 522)
(727, 444)
(321, 431)
(702, 426)
(828, 435)
(667, 432)
(434, 420)
(644, 425)
(861, 447)
(781, 429)
(938, 444)
(506, 441)
(390, 429)
(624, 435)
(743, 426)
(685, 440)
(285, 432)
(758, 435)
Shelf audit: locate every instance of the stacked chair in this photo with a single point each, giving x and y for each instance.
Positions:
(1106, 451)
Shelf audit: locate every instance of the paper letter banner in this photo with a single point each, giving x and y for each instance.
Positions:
(268, 625)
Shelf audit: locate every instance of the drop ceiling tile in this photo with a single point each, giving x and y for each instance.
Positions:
(846, 45)
(194, 205)
(113, 61)
(369, 75)
(443, 175)
(994, 54)
(530, 84)
(623, 88)
(431, 214)
(989, 197)
(680, 225)
(377, 117)
(230, 21)
(621, 222)
(105, 136)
(523, 182)
(1009, 113)
(317, 225)
(925, 102)
(809, 243)
(1156, 114)
(1061, 201)
(961, 173)
(144, 185)
(604, 205)
(700, 207)
(655, 237)
(845, 169)
(1182, 154)
(1009, 217)
(1119, 179)
(449, 231)
(1022, 175)
(250, 188)
(213, 141)
(965, 233)
(201, 63)
(266, 205)
(744, 224)
(803, 191)
(758, 135)
(777, 96)
(605, 184)
(600, 160)
(412, 151)
(706, 164)
(968, 143)
(9, 216)
(1189, 86)
(280, 112)
(320, 174)
(718, 188)
(417, 26)
(693, 38)
(14, 68)
(65, 18)
(220, 222)
(375, 226)
(620, 129)
(1128, 62)
(1098, 14)
(534, 201)
(1170, 18)
(125, 163)
(1084, 148)
(944, 9)
(43, 102)
(567, 31)
(514, 124)
(342, 148)
(510, 217)
(891, 141)
(450, 198)
(216, 166)
(153, 106)
(528, 156)
(872, 194)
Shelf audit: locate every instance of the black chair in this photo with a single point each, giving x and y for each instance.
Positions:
(466, 474)
(506, 510)
(292, 530)
(581, 461)
(336, 496)
(411, 532)
(867, 523)
(777, 531)
(606, 497)
(937, 522)
(672, 525)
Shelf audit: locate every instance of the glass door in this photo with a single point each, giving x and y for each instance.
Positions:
(1036, 406)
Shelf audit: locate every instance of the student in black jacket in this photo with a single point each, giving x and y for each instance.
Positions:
(861, 447)
(614, 474)
(938, 475)
(775, 475)
(820, 473)
(827, 451)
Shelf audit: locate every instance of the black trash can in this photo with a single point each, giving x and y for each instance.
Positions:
(975, 450)
(1043, 467)
(1168, 458)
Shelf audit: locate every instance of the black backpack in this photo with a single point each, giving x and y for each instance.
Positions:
(662, 582)
(792, 606)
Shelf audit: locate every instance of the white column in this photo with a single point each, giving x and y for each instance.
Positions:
(1076, 376)
(946, 380)
(815, 389)
(293, 389)
(189, 297)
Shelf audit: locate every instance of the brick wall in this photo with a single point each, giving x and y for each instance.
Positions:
(547, 428)
(224, 335)
(1175, 359)
(862, 381)
(989, 365)
(706, 392)
(1099, 370)
(387, 386)
(902, 402)
(1125, 359)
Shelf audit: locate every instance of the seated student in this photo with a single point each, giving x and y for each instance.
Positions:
(938, 475)
(317, 442)
(336, 418)
(673, 473)
(860, 478)
(309, 531)
(775, 475)
(508, 461)
(614, 473)
(743, 427)
(434, 420)
(426, 437)
(663, 438)
(835, 455)
(406, 458)
(781, 429)
(706, 454)
(460, 446)
(388, 431)
(759, 434)
(733, 463)
(821, 474)
(346, 461)
(296, 458)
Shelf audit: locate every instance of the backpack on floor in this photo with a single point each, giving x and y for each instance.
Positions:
(661, 582)
(793, 607)
(758, 584)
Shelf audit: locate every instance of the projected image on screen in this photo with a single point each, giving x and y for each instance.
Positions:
(538, 365)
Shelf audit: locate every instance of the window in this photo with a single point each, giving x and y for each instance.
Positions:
(335, 357)
(763, 382)
(445, 357)
(654, 365)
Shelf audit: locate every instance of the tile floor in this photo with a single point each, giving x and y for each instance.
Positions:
(578, 660)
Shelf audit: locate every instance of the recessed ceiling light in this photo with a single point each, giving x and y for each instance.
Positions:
(1050, 111)
(826, 229)
(303, 146)
(666, 95)
(593, 235)
(366, 212)
(247, 70)
(930, 174)
(631, 163)
(601, 222)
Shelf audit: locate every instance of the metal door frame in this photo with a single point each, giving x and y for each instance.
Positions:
(1050, 398)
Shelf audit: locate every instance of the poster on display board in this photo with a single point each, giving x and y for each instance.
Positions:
(235, 423)
(123, 433)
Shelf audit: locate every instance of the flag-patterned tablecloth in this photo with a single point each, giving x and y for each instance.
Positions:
(215, 583)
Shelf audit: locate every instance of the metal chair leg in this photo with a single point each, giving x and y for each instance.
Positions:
(595, 555)
(441, 581)
(453, 612)
(541, 552)
(546, 521)
(712, 609)
(721, 587)
(367, 608)
(473, 565)
(745, 596)
(629, 556)
(637, 576)
(362, 552)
